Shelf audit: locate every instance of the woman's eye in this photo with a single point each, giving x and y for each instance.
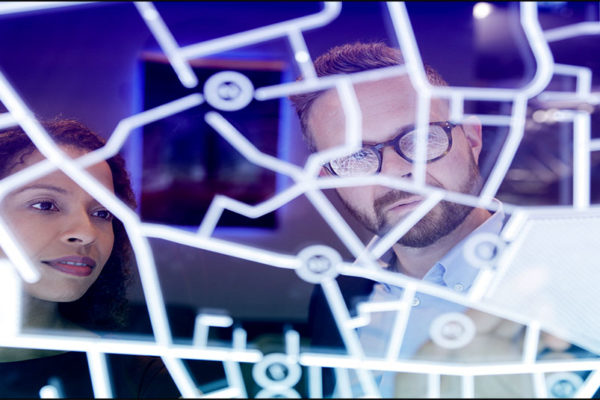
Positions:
(104, 214)
(45, 206)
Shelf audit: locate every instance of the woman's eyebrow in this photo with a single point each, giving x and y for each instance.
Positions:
(40, 186)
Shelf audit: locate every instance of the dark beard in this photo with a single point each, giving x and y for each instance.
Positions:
(444, 218)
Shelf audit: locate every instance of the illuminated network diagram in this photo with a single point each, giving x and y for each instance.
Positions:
(574, 225)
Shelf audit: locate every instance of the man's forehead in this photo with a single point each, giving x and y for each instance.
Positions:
(399, 85)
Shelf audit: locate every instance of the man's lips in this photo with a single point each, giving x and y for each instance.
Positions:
(405, 203)
(73, 265)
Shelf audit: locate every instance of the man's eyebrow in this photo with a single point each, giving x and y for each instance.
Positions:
(40, 186)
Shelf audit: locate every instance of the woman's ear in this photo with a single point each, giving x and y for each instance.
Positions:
(472, 130)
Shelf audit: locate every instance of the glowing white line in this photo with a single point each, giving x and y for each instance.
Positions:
(314, 382)
(408, 45)
(181, 376)
(400, 323)
(220, 246)
(327, 82)
(247, 149)
(352, 125)
(583, 75)
(539, 47)
(7, 121)
(239, 339)
(14, 7)
(167, 42)
(204, 322)
(594, 144)
(340, 227)
(99, 374)
(13, 249)
(508, 150)
(350, 338)
(342, 385)
(467, 386)
(530, 345)
(589, 387)
(422, 128)
(401, 280)
(481, 285)
(581, 160)
(330, 11)
(48, 148)
(539, 385)
(127, 125)
(491, 120)
(299, 46)
(446, 368)
(227, 393)
(292, 344)
(128, 346)
(569, 31)
(234, 377)
(456, 107)
(220, 203)
(409, 185)
(433, 386)
(514, 225)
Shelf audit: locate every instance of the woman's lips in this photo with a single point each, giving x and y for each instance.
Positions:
(73, 265)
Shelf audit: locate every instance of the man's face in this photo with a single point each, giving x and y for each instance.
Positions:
(387, 107)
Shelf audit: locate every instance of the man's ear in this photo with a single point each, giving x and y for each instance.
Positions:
(472, 129)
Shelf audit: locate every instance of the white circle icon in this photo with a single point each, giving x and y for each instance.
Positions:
(228, 91)
(483, 250)
(318, 263)
(452, 330)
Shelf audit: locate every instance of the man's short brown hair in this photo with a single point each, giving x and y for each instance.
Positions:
(347, 59)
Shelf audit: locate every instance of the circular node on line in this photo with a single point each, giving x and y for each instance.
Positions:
(228, 91)
(452, 330)
(275, 372)
(318, 263)
(563, 384)
(483, 250)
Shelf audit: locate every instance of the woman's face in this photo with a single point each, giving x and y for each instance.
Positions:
(67, 234)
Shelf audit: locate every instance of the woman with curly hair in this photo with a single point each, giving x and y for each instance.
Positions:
(84, 258)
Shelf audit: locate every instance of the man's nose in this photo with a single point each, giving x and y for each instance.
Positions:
(393, 164)
(79, 229)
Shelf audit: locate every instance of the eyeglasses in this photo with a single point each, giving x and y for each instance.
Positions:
(367, 161)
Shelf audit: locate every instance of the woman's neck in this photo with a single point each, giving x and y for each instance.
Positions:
(35, 315)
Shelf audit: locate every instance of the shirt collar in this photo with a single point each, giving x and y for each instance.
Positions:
(453, 270)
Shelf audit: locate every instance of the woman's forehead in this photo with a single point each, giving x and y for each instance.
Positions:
(100, 171)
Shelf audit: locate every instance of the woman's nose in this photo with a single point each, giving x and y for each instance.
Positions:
(79, 229)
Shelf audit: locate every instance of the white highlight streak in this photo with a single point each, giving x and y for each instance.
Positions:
(99, 374)
(167, 42)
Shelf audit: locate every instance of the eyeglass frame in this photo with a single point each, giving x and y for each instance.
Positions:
(447, 126)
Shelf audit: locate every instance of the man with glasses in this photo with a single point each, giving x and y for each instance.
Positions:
(431, 249)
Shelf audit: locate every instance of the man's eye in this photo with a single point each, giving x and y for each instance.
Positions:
(45, 206)
(104, 214)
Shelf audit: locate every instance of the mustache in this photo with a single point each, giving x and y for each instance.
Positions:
(390, 198)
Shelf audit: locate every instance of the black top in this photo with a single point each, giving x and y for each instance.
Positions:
(132, 376)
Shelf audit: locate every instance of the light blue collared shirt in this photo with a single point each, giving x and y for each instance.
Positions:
(453, 271)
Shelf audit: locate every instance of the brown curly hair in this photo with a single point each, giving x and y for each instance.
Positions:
(104, 305)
